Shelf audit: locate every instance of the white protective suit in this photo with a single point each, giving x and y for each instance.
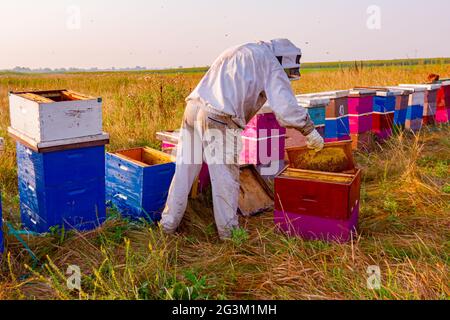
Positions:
(236, 86)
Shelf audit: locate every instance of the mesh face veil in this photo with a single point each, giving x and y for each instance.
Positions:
(289, 57)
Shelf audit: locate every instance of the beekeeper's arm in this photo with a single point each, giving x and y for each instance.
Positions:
(289, 114)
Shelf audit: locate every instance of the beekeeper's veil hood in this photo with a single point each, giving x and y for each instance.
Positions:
(288, 55)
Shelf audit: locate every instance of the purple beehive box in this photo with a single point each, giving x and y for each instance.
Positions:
(317, 228)
(360, 123)
(360, 103)
(263, 121)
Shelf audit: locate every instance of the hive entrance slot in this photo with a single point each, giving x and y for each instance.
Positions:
(145, 156)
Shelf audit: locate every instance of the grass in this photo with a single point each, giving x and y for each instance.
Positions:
(404, 224)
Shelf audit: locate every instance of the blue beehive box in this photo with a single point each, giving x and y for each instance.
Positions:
(317, 115)
(384, 104)
(414, 112)
(61, 188)
(315, 107)
(337, 128)
(138, 181)
(400, 117)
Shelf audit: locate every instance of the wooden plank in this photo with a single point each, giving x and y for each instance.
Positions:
(255, 196)
(158, 157)
(316, 176)
(72, 95)
(322, 172)
(35, 98)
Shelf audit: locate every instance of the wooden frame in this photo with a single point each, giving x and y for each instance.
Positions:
(345, 145)
(148, 156)
(51, 96)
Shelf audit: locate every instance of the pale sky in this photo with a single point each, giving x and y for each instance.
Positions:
(171, 33)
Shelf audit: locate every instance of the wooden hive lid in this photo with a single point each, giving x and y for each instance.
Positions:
(52, 96)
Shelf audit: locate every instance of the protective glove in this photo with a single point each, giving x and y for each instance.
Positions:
(314, 141)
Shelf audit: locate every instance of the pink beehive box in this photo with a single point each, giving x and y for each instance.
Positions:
(169, 142)
(262, 150)
(360, 101)
(443, 102)
(263, 140)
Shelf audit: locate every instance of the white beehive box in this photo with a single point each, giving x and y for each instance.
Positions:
(51, 116)
(418, 95)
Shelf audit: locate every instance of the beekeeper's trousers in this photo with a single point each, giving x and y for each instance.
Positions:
(212, 137)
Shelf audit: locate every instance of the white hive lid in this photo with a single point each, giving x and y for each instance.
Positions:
(326, 94)
(413, 87)
(362, 91)
(308, 101)
(403, 90)
(427, 86)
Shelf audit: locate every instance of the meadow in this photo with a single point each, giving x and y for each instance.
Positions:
(404, 223)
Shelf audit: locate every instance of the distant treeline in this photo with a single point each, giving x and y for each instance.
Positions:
(375, 63)
(305, 66)
(333, 65)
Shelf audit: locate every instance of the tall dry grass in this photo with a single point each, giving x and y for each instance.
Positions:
(404, 225)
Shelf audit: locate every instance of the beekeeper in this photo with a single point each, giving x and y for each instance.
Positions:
(236, 86)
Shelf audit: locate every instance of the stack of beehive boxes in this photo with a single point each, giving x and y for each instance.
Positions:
(315, 204)
(415, 111)
(401, 106)
(60, 158)
(360, 109)
(337, 124)
(443, 102)
(430, 101)
(384, 104)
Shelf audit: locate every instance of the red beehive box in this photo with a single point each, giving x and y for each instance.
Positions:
(382, 124)
(316, 193)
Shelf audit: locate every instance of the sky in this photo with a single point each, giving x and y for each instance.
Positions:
(172, 33)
